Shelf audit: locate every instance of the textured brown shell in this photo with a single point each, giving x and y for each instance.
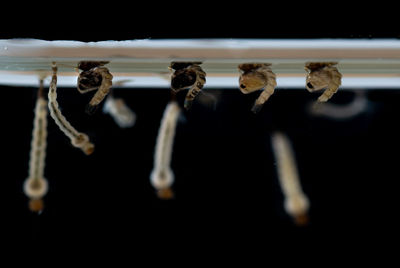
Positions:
(89, 79)
(87, 65)
(247, 67)
(178, 65)
(183, 78)
(313, 66)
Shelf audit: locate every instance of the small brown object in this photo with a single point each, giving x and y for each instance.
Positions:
(89, 80)
(187, 75)
(36, 205)
(87, 65)
(165, 193)
(256, 76)
(301, 220)
(323, 75)
(94, 76)
(89, 148)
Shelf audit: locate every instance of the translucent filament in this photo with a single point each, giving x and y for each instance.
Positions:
(341, 111)
(78, 139)
(123, 116)
(296, 202)
(35, 186)
(162, 176)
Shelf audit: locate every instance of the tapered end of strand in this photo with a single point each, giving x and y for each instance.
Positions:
(301, 219)
(323, 98)
(36, 205)
(82, 142)
(88, 149)
(187, 104)
(165, 194)
(316, 106)
(162, 179)
(91, 109)
(256, 108)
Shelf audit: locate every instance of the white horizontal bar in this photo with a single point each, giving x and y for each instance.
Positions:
(144, 63)
(212, 82)
(204, 48)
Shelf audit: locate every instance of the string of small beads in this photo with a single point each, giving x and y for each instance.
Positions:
(78, 139)
(296, 202)
(162, 176)
(36, 186)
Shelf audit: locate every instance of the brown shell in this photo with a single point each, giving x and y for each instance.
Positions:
(178, 65)
(89, 79)
(313, 66)
(183, 78)
(87, 65)
(247, 67)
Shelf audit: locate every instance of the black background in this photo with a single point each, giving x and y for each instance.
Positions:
(227, 196)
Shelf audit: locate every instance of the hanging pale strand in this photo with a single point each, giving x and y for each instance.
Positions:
(296, 202)
(123, 116)
(162, 176)
(78, 139)
(36, 186)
